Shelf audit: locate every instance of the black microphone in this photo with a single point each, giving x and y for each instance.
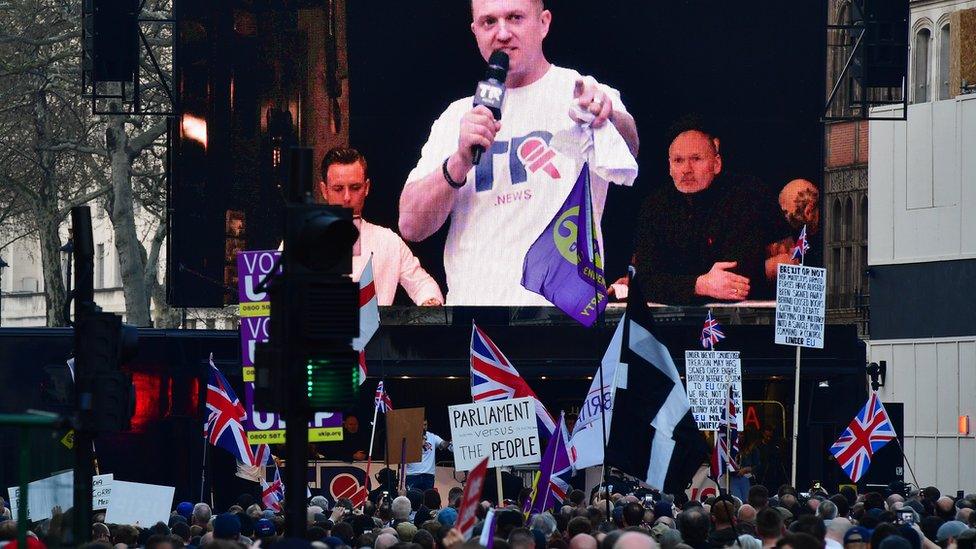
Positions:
(491, 92)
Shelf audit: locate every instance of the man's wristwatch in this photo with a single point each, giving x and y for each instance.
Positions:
(447, 176)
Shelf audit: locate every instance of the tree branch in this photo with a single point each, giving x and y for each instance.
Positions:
(83, 199)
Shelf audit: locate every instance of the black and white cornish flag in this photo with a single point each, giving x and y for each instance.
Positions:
(653, 434)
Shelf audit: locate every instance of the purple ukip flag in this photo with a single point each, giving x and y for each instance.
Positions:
(555, 470)
(565, 265)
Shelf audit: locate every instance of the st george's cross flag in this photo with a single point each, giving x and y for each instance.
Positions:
(565, 264)
(369, 316)
(224, 427)
(494, 378)
(653, 434)
(868, 432)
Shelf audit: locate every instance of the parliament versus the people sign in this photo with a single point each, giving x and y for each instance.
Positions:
(504, 431)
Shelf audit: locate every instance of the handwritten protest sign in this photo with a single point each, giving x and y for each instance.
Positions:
(57, 490)
(504, 431)
(708, 375)
(800, 305)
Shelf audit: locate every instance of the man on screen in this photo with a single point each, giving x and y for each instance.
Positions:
(499, 207)
(345, 183)
(704, 238)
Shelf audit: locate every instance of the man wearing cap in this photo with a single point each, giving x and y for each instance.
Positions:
(948, 532)
(228, 526)
(531, 160)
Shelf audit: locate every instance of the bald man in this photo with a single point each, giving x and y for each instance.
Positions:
(800, 202)
(635, 540)
(582, 541)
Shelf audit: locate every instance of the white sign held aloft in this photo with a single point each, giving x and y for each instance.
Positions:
(504, 431)
(58, 490)
(801, 299)
(139, 504)
(708, 375)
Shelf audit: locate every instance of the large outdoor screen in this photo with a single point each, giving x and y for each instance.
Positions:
(725, 98)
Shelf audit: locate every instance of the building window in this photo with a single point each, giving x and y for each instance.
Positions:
(920, 70)
(944, 91)
(100, 266)
(835, 221)
(848, 224)
(862, 214)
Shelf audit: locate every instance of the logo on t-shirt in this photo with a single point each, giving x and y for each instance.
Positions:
(526, 154)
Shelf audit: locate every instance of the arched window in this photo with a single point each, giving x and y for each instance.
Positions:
(944, 91)
(835, 221)
(920, 69)
(848, 225)
(862, 214)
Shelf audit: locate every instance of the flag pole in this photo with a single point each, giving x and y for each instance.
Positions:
(796, 401)
(372, 436)
(904, 457)
(728, 440)
(498, 485)
(603, 425)
(203, 469)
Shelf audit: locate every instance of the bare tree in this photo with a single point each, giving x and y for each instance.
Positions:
(46, 126)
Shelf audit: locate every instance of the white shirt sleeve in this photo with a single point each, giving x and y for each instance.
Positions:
(441, 142)
(418, 283)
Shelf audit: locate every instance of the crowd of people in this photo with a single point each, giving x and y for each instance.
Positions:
(898, 519)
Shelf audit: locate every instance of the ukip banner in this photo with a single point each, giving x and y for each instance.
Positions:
(564, 265)
(253, 267)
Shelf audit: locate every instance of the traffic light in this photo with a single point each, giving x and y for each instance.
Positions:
(308, 363)
(102, 345)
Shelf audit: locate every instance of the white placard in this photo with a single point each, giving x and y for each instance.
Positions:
(505, 431)
(43, 495)
(708, 375)
(801, 300)
(101, 491)
(139, 504)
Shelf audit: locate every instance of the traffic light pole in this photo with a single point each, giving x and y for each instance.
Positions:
(308, 364)
(84, 299)
(296, 472)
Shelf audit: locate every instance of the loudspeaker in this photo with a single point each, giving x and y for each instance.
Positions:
(115, 39)
(882, 61)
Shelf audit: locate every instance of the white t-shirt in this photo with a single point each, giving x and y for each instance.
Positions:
(426, 463)
(513, 194)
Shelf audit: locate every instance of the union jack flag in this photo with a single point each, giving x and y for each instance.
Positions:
(802, 246)
(273, 491)
(494, 378)
(223, 427)
(723, 456)
(711, 332)
(382, 399)
(868, 432)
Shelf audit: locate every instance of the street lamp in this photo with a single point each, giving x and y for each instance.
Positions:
(3, 265)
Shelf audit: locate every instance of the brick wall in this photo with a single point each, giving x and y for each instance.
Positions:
(847, 144)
